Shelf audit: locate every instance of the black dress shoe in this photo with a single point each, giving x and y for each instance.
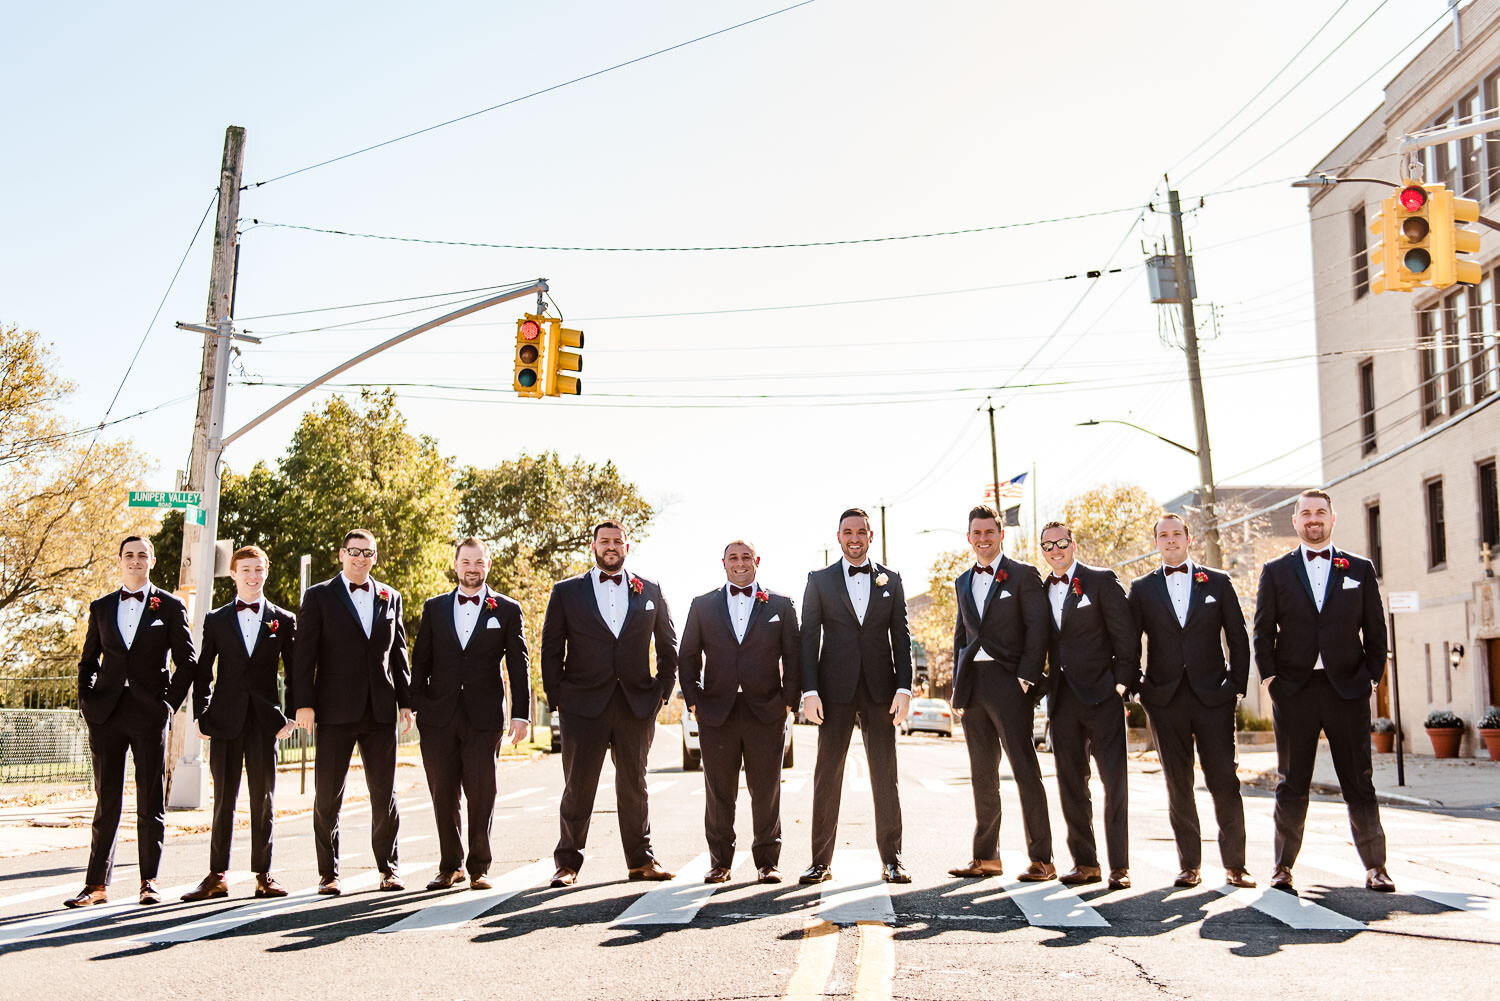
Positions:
(266, 886)
(150, 893)
(895, 872)
(768, 874)
(816, 873)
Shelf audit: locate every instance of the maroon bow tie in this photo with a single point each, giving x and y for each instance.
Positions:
(979, 568)
(1179, 568)
(240, 606)
(1319, 554)
(606, 578)
(1055, 579)
(128, 595)
(358, 587)
(746, 590)
(468, 597)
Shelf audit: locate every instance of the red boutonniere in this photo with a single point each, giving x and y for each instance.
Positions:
(1340, 563)
(385, 595)
(636, 585)
(1001, 576)
(273, 625)
(154, 602)
(1201, 577)
(1078, 587)
(490, 603)
(762, 596)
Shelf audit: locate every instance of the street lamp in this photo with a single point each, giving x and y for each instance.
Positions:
(1169, 441)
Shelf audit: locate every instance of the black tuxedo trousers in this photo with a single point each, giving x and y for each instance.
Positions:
(1079, 731)
(1001, 718)
(254, 751)
(1176, 726)
(627, 738)
(134, 728)
(879, 735)
(461, 757)
(742, 740)
(377, 752)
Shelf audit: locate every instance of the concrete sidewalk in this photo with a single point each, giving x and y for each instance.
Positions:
(1445, 783)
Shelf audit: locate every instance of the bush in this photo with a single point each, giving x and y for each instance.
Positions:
(1135, 715)
(1244, 719)
(1382, 724)
(1443, 719)
(1491, 718)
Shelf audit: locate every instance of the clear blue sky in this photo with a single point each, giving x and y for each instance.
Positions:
(838, 120)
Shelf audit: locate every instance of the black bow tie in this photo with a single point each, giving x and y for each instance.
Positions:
(128, 595)
(979, 568)
(854, 570)
(1319, 554)
(240, 606)
(358, 587)
(746, 590)
(1180, 568)
(468, 597)
(1055, 579)
(605, 578)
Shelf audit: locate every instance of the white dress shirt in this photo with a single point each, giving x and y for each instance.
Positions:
(249, 621)
(128, 616)
(613, 599)
(1180, 587)
(740, 607)
(364, 601)
(979, 586)
(466, 614)
(1058, 593)
(1318, 571)
(859, 585)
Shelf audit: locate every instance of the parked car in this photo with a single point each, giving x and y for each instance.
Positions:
(692, 753)
(1041, 732)
(931, 715)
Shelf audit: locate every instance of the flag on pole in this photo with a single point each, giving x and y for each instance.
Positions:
(1010, 490)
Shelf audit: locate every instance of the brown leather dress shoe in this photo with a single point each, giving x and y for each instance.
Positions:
(92, 894)
(446, 879)
(1081, 875)
(150, 892)
(266, 886)
(895, 872)
(390, 882)
(213, 885)
(1281, 878)
(1119, 879)
(1188, 878)
(1379, 880)
(480, 881)
(717, 874)
(816, 873)
(1240, 878)
(328, 886)
(768, 874)
(1038, 872)
(652, 871)
(564, 877)
(978, 868)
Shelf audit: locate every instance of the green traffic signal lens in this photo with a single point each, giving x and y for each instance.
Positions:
(526, 378)
(1417, 261)
(1415, 228)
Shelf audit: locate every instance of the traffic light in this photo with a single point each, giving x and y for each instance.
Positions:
(559, 360)
(1412, 209)
(530, 379)
(1448, 241)
(1384, 260)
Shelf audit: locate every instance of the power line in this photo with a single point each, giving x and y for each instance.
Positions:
(525, 97)
(383, 302)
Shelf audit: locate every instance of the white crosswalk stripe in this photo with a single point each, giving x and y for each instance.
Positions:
(518, 794)
(455, 908)
(856, 893)
(678, 901)
(59, 920)
(1051, 905)
(1288, 908)
(1421, 886)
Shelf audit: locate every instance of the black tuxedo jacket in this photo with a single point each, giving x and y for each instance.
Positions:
(837, 651)
(1011, 628)
(582, 661)
(107, 663)
(446, 676)
(1291, 634)
(244, 683)
(1098, 645)
(1194, 651)
(767, 664)
(338, 670)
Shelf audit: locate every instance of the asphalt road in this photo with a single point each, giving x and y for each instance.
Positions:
(939, 938)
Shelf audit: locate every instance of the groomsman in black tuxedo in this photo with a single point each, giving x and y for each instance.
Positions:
(1094, 654)
(351, 682)
(459, 700)
(741, 675)
(126, 698)
(1320, 641)
(856, 663)
(999, 651)
(239, 710)
(596, 671)
(1190, 614)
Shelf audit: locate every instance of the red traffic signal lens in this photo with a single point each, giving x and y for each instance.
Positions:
(531, 330)
(1415, 228)
(1413, 197)
(1417, 261)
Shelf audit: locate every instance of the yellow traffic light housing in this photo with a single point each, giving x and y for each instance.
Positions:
(1384, 261)
(1448, 241)
(1413, 206)
(560, 360)
(531, 344)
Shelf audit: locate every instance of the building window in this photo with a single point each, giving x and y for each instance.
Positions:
(1489, 507)
(1367, 406)
(1469, 167)
(1481, 340)
(1372, 538)
(1437, 531)
(1361, 256)
(1427, 345)
(1491, 141)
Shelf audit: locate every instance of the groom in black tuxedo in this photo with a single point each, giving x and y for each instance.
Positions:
(856, 663)
(1320, 641)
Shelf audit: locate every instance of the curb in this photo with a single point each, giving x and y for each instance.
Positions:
(1267, 781)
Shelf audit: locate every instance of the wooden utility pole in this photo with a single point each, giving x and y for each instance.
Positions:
(882, 534)
(994, 461)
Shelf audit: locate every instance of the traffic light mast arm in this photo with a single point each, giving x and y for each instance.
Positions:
(540, 285)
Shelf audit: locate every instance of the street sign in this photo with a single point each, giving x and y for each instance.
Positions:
(164, 498)
(193, 515)
(1404, 601)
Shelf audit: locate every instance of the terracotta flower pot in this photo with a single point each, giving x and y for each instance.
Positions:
(1492, 742)
(1383, 742)
(1445, 741)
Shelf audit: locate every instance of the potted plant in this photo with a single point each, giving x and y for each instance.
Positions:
(1489, 729)
(1445, 730)
(1382, 734)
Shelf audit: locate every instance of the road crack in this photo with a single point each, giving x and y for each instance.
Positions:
(1142, 972)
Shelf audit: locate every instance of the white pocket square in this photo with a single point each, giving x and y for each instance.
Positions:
(491, 624)
(1083, 601)
(774, 618)
(1350, 583)
(1210, 600)
(1002, 594)
(650, 605)
(885, 594)
(156, 623)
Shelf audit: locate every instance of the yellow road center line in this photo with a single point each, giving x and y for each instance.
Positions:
(875, 963)
(820, 944)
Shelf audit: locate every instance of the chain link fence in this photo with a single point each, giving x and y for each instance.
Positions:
(44, 746)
